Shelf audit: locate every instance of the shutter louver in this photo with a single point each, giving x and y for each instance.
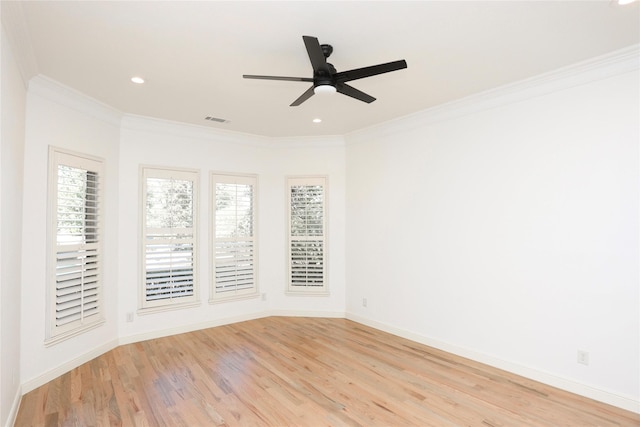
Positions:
(234, 266)
(169, 240)
(234, 237)
(76, 285)
(307, 237)
(169, 270)
(76, 298)
(307, 263)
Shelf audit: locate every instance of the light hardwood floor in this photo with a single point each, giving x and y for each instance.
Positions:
(283, 371)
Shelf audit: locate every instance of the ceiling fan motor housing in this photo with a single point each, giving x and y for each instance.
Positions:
(327, 50)
(322, 77)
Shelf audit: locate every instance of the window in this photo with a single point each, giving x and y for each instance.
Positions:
(307, 227)
(234, 242)
(169, 238)
(75, 208)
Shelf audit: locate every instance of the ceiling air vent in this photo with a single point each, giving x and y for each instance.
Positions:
(217, 119)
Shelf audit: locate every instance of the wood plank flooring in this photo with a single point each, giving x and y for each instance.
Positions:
(284, 371)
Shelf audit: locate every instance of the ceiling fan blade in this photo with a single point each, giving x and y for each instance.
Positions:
(359, 73)
(316, 56)
(308, 94)
(351, 91)
(289, 79)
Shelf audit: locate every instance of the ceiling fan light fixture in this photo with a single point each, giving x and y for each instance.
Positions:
(324, 89)
(325, 77)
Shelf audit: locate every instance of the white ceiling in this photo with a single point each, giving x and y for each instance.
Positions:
(193, 54)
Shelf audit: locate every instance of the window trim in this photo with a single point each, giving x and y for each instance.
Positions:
(214, 178)
(308, 180)
(59, 156)
(152, 171)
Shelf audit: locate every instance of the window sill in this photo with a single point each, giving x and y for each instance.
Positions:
(70, 334)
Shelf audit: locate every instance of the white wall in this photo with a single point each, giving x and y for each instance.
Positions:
(510, 233)
(63, 118)
(12, 104)
(308, 156)
(158, 143)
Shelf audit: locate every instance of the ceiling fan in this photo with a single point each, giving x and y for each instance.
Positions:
(327, 79)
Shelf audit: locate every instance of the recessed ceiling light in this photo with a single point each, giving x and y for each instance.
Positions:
(138, 80)
(317, 120)
(623, 2)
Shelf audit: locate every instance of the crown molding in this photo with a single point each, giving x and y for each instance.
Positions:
(135, 122)
(57, 92)
(17, 33)
(309, 141)
(602, 67)
(54, 91)
(186, 130)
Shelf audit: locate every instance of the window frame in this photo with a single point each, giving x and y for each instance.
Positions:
(232, 178)
(308, 180)
(164, 172)
(62, 157)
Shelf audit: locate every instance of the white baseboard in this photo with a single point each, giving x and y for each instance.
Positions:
(40, 380)
(225, 321)
(623, 402)
(297, 313)
(13, 413)
(190, 328)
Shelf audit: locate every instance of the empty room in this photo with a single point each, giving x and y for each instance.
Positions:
(320, 213)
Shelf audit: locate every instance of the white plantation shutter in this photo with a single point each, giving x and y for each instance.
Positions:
(307, 235)
(169, 267)
(77, 283)
(169, 237)
(76, 294)
(233, 228)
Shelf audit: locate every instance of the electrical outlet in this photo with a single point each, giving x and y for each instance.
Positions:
(364, 302)
(129, 317)
(263, 297)
(583, 357)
